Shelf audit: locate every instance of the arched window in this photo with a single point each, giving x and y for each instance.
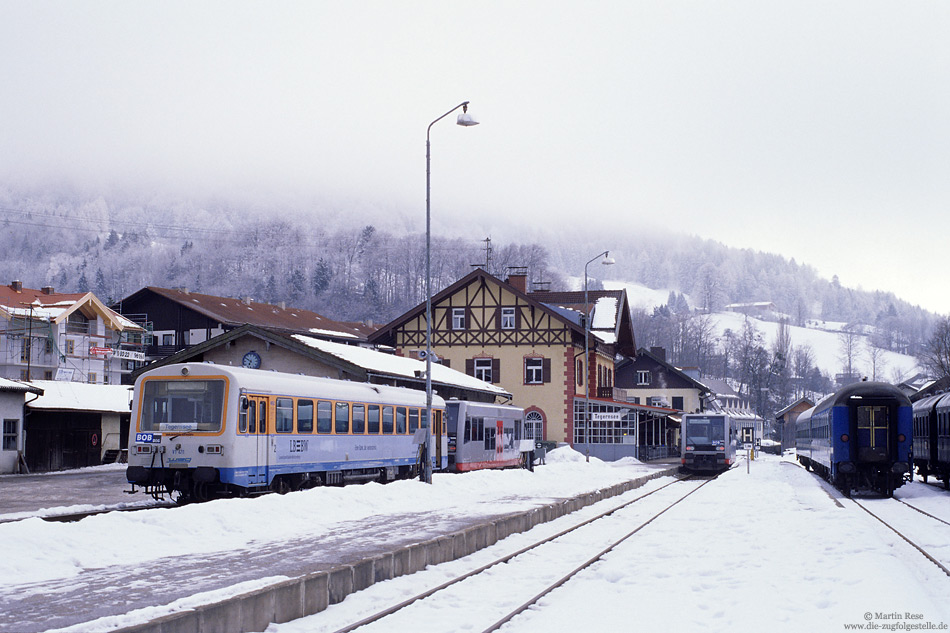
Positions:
(533, 426)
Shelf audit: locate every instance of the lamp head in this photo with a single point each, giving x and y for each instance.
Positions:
(608, 260)
(465, 119)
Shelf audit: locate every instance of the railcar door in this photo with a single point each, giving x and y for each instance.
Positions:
(873, 424)
(257, 434)
(438, 431)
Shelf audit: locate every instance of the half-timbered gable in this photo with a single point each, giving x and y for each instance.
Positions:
(495, 331)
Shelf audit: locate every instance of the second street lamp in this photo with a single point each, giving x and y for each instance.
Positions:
(606, 261)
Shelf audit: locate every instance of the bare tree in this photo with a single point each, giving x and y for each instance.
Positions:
(848, 348)
(875, 356)
(935, 356)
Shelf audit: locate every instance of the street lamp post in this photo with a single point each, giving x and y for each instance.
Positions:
(464, 119)
(606, 261)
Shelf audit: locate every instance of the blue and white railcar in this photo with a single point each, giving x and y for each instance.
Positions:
(201, 430)
(858, 438)
(484, 435)
(709, 442)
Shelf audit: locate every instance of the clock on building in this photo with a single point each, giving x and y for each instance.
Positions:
(251, 360)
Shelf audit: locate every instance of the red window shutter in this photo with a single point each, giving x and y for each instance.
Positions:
(546, 370)
(470, 366)
(496, 370)
(446, 362)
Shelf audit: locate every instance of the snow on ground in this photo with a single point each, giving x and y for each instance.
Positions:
(47, 551)
(640, 297)
(768, 549)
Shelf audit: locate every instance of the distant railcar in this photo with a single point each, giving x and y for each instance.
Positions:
(201, 431)
(709, 442)
(932, 437)
(859, 438)
(483, 435)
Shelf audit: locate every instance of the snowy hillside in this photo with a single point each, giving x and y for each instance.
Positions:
(824, 342)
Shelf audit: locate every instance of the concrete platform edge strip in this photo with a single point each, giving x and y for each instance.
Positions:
(298, 597)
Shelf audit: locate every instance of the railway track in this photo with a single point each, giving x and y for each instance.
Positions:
(912, 542)
(387, 619)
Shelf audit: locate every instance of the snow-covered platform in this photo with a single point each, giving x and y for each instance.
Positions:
(237, 564)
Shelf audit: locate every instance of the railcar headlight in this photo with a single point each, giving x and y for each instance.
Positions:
(213, 449)
(691, 448)
(901, 437)
(844, 437)
(720, 448)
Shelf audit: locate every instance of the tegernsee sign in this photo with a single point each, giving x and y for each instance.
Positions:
(606, 417)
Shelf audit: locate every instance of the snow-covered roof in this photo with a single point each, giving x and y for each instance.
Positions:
(15, 385)
(378, 362)
(604, 315)
(80, 396)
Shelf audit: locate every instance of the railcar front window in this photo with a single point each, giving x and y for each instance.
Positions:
(183, 406)
(705, 431)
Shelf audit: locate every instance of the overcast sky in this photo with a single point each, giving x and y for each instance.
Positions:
(817, 130)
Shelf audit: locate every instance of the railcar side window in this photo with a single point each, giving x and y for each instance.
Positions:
(387, 420)
(342, 418)
(284, 422)
(262, 418)
(413, 420)
(324, 416)
(424, 418)
(468, 430)
(305, 416)
(242, 420)
(359, 418)
(252, 416)
(373, 422)
(401, 420)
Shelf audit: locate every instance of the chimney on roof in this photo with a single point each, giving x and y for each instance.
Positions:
(47, 290)
(283, 305)
(518, 279)
(16, 285)
(659, 352)
(246, 300)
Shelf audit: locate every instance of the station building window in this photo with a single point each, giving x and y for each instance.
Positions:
(10, 434)
(507, 318)
(458, 318)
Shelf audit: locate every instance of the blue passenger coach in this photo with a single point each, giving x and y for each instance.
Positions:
(201, 431)
(932, 437)
(858, 438)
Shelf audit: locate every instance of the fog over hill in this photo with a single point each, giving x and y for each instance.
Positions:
(369, 263)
